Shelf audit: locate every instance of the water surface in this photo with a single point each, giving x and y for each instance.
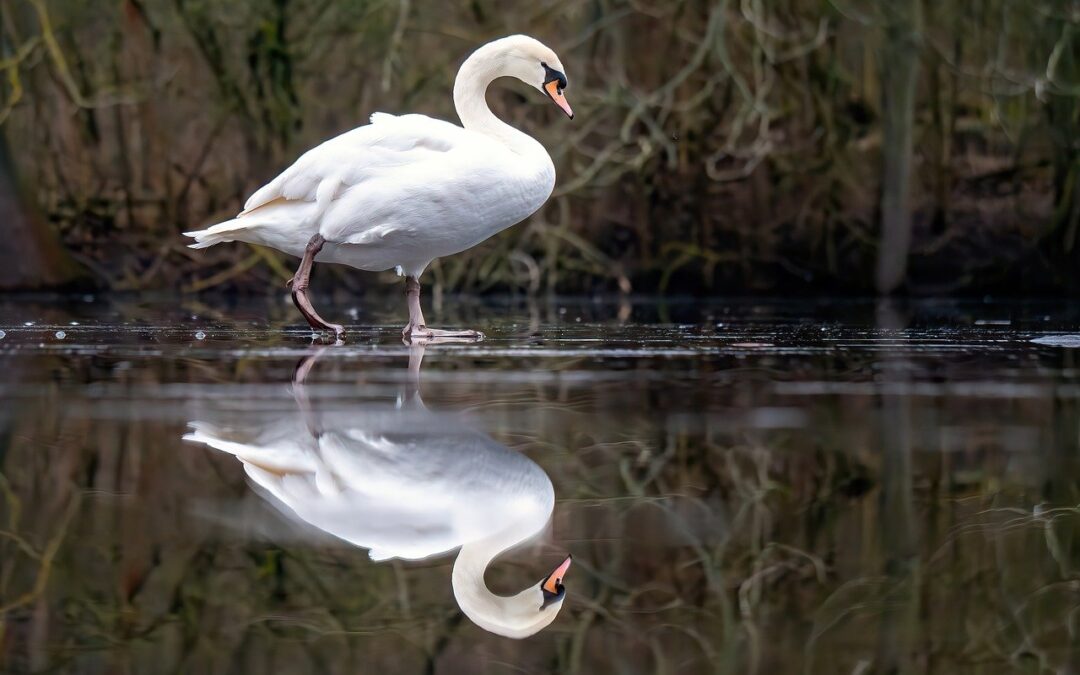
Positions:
(744, 486)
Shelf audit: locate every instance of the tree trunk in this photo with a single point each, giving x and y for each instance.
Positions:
(900, 67)
(31, 256)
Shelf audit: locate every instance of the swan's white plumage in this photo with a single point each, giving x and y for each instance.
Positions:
(409, 495)
(406, 189)
(405, 494)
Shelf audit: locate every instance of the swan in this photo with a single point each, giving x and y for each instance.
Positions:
(413, 494)
(406, 189)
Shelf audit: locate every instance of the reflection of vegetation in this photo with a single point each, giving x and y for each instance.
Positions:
(718, 141)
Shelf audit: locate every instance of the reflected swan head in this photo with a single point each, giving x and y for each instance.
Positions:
(517, 616)
(552, 586)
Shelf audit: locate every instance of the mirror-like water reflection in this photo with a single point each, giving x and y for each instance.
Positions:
(405, 484)
(744, 487)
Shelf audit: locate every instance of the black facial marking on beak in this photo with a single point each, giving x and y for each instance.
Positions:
(552, 75)
(551, 598)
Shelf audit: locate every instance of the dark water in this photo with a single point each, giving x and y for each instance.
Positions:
(745, 487)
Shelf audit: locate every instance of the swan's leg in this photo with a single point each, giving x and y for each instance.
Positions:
(299, 286)
(417, 327)
(412, 297)
(300, 375)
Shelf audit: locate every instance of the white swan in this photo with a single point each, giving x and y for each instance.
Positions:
(404, 190)
(409, 494)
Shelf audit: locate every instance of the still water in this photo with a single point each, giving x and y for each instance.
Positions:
(808, 487)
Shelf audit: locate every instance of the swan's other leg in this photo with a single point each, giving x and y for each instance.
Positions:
(417, 327)
(299, 285)
(412, 297)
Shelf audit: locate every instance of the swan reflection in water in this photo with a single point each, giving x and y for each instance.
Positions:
(406, 483)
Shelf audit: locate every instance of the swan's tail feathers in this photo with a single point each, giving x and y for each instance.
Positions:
(378, 555)
(214, 436)
(220, 233)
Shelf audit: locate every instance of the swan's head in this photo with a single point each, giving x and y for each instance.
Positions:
(532, 62)
(517, 616)
(552, 589)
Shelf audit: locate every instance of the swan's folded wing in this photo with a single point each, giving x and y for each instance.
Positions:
(344, 161)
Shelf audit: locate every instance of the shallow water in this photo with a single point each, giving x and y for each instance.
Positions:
(744, 486)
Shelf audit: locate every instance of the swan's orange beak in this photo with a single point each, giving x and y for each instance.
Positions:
(553, 90)
(554, 580)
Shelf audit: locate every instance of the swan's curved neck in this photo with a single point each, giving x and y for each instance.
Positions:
(470, 88)
(513, 616)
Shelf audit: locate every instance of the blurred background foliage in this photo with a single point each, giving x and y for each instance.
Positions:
(720, 145)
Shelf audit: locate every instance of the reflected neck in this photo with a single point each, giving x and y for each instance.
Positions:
(513, 616)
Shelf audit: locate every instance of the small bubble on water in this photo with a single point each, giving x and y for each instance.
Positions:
(60, 335)
(29, 323)
(200, 335)
(2, 335)
(74, 323)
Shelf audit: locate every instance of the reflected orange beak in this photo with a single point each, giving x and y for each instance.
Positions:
(551, 584)
(552, 89)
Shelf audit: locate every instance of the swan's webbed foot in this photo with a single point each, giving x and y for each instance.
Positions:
(422, 332)
(417, 328)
